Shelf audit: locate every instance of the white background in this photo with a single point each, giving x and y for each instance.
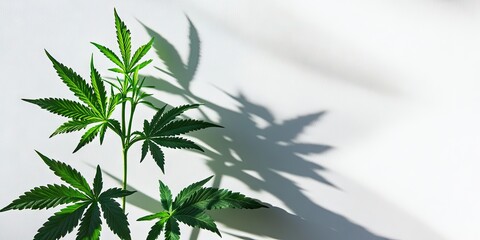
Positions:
(392, 87)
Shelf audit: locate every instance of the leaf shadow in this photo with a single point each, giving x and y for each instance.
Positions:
(256, 155)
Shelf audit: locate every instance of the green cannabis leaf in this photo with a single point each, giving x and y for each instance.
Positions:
(163, 131)
(86, 202)
(126, 64)
(95, 107)
(189, 208)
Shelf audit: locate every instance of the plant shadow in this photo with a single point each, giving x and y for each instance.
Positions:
(256, 154)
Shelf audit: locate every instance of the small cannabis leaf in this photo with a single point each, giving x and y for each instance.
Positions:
(189, 207)
(95, 107)
(163, 131)
(126, 64)
(85, 201)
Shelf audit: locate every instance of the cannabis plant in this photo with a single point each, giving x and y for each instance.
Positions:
(93, 110)
(189, 207)
(86, 202)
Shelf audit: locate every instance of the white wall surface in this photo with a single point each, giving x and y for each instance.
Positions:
(353, 119)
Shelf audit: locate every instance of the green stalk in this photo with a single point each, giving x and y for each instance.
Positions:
(123, 121)
(132, 111)
(127, 131)
(125, 153)
(125, 141)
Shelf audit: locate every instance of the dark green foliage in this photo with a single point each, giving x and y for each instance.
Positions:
(68, 174)
(72, 126)
(97, 183)
(188, 191)
(123, 39)
(126, 64)
(157, 154)
(110, 55)
(189, 207)
(61, 223)
(172, 230)
(85, 203)
(163, 130)
(45, 197)
(114, 193)
(196, 217)
(141, 51)
(91, 224)
(65, 108)
(116, 219)
(165, 196)
(155, 230)
(95, 107)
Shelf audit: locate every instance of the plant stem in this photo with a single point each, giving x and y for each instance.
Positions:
(125, 143)
(123, 123)
(125, 156)
(129, 130)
